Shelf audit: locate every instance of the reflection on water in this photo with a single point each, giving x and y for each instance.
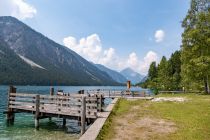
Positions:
(23, 128)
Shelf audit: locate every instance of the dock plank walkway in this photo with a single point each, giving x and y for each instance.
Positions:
(94, 129)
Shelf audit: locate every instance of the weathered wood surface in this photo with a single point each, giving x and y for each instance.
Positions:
(94, 129)
(55, 104)
(10, 111)
(86, 106)
(118, 93)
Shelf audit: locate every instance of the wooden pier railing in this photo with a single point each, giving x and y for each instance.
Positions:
(83, 106)
(118, 93)
(74, 106)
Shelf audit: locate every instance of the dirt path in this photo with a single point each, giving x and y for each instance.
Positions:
(134, 127)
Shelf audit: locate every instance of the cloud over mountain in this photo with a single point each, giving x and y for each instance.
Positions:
(17, 8)
(91, 48)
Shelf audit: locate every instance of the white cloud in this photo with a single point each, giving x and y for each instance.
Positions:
(133, 61)
(17, 8)
(159, 36)
(91, 49)
(139, 65)
(148, 59)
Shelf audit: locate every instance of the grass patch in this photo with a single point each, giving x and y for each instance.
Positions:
(191, 119)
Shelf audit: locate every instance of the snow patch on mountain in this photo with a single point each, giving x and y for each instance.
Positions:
(30, 62)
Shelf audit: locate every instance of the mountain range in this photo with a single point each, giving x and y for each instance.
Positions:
(28, 57)
(124, 75)
(113, 74)
(131, 75)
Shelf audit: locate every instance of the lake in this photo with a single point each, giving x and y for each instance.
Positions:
(23, 128)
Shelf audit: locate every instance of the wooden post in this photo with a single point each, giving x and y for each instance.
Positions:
(128, 85)
(100, 103)
(37, 112)
(64, 122)
(83, 115)
(10, 114)
(51, 93)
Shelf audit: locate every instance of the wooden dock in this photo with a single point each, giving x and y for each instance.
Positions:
(118, 93)
(84, 106)
(68, 106)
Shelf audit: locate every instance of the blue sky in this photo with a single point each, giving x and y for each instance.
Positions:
(116, 33)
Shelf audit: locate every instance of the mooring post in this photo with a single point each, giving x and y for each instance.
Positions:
(100, 102)
(10, 113)
(83, 115)
(37, 112)
(51, 93)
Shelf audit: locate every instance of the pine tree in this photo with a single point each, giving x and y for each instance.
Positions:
(175, 64)
(164, 71)
(195, 55)
(152, 73)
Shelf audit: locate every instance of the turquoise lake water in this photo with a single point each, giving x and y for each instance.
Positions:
(23, 128)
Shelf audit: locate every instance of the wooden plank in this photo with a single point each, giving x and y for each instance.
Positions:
(91, 105)
(91, 99)
(60, 102)
(21, 103)
(72, 113)
(58, 97)
(22, 95)
(73, 95)
(91, 110)
(55, 107)
(21, 99)
(22, 107)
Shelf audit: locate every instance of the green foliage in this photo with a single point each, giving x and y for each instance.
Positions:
(152, 74)
(165, 76)
(190, 67)
(195, 54)
(62, 66)
(164, 71)
(13, 70)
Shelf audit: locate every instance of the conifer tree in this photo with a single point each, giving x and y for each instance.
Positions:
(195, 53)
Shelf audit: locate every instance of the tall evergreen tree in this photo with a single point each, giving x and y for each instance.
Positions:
(152, 76)
(164, 70)
(195, 54)
(175, 64)
(152, 73)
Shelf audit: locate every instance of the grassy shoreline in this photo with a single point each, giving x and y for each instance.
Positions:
(189, 120)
